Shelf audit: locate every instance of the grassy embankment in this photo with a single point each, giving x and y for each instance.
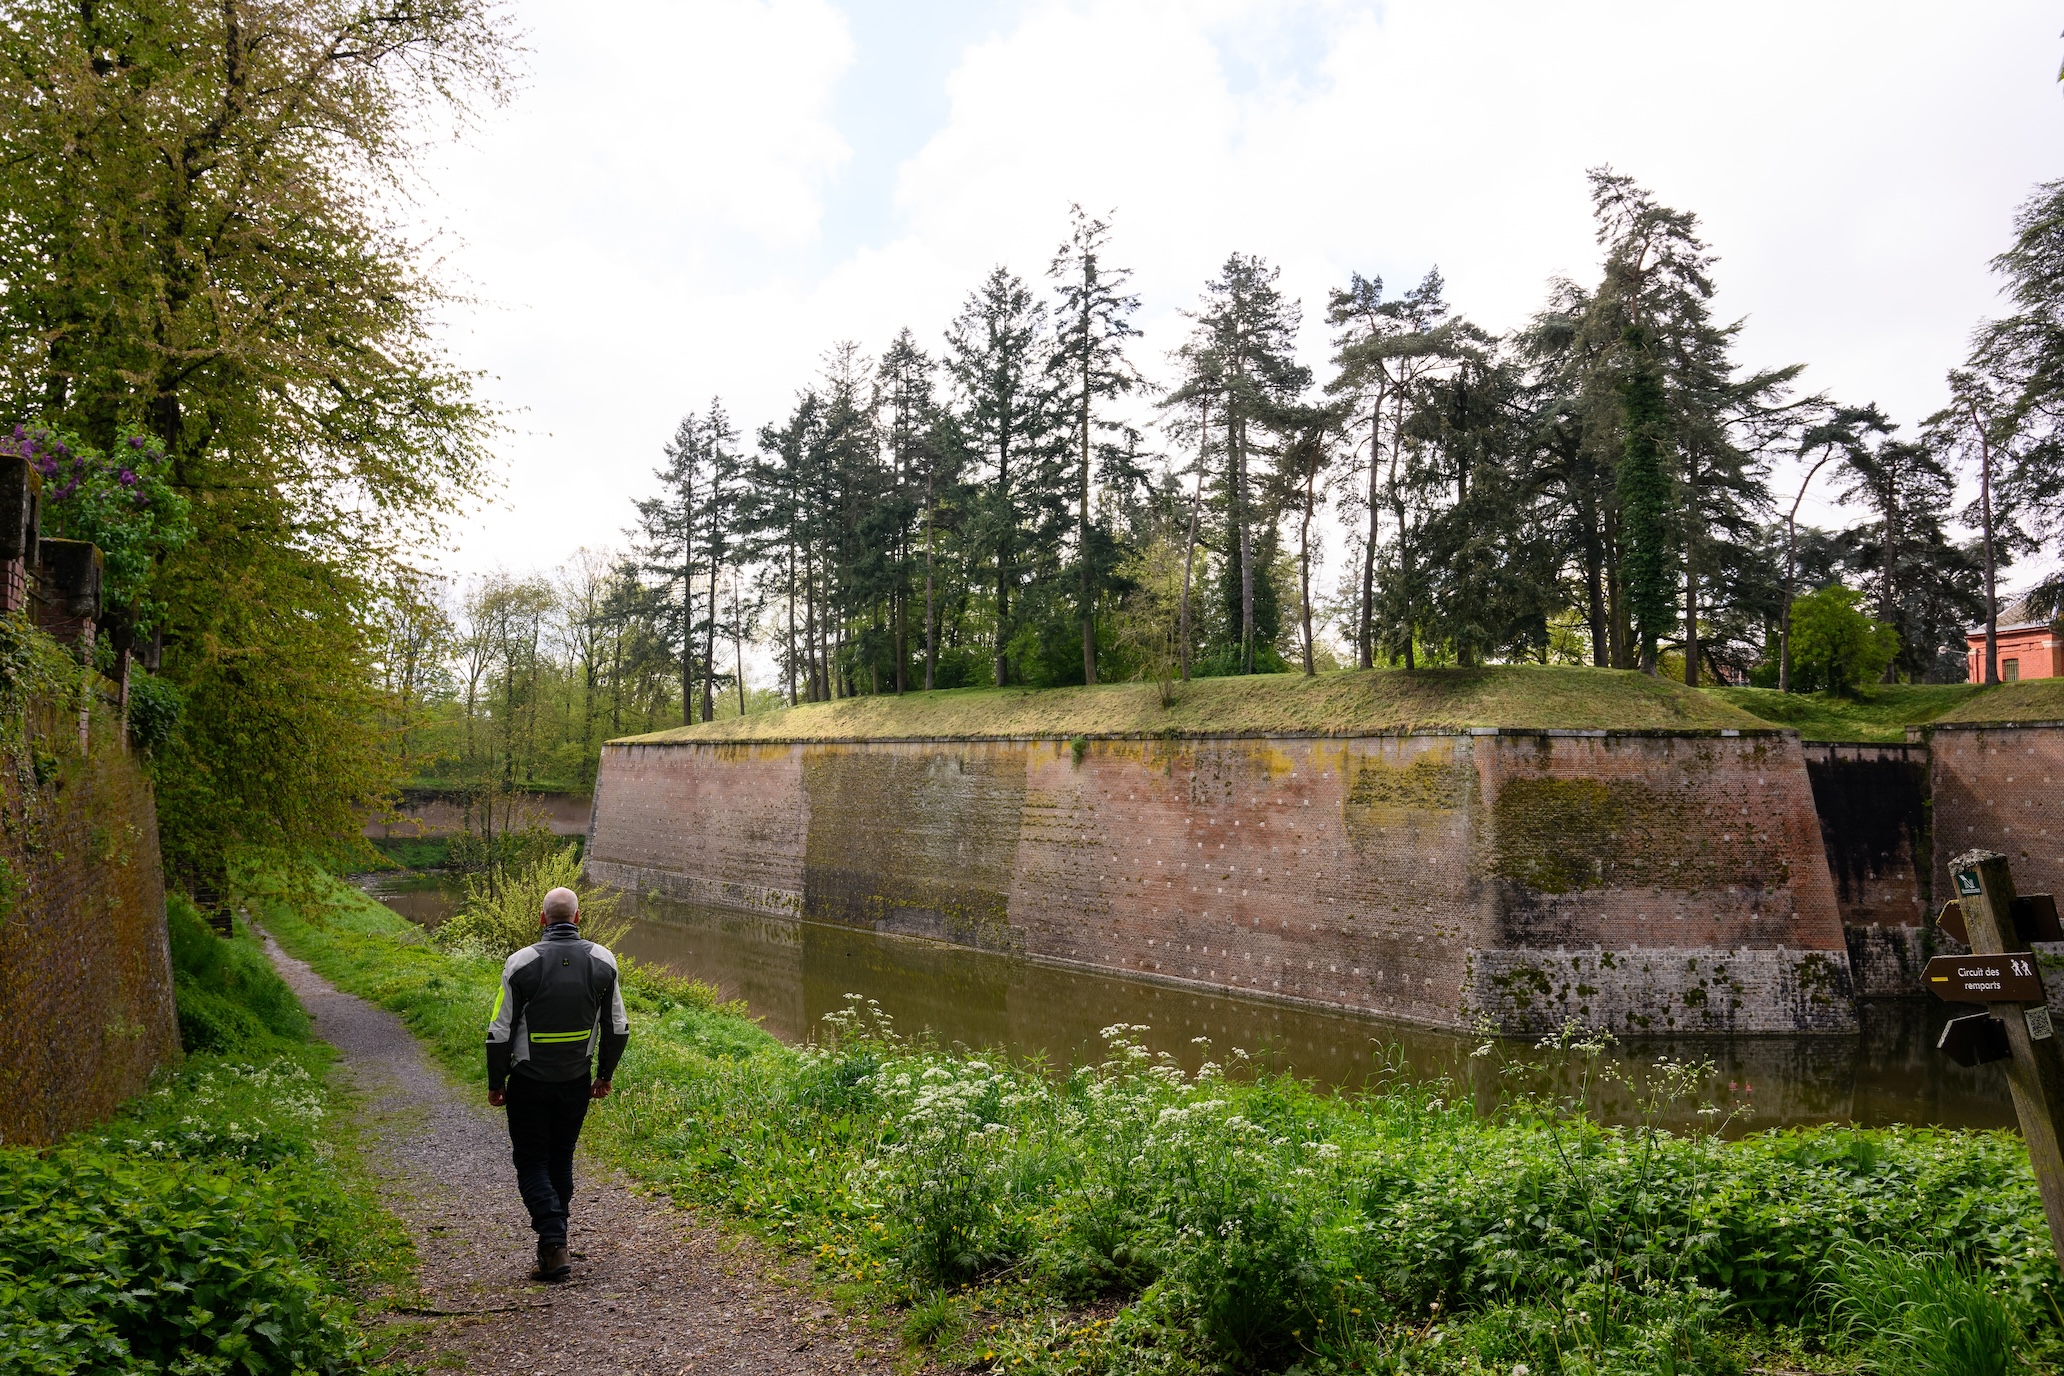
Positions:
(1512, 697)
(213, 1226)
(1128, 1218)
(1350, 702)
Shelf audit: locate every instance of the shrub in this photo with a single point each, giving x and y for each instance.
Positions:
(155, 706)
(1835, 646)
(203, 1233)
(500, 913)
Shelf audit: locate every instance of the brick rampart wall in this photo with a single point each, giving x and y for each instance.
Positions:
(1640, 881)
(2002, 788)
(86, 1007)
(1872, 801)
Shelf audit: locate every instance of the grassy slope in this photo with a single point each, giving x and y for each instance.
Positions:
(2039, 699)
(1347, 703)
(1881, 712)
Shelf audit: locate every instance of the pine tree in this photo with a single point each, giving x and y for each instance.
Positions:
(1088, 368)
(2013, 405)
(1697, 431)
(995, 353)
(1243, 345)
(1644, 497)
(1382, 349)
(666, 540)
(721, 499)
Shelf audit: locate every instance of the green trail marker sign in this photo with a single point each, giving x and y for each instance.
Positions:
(1985, 979)
(2001, 973)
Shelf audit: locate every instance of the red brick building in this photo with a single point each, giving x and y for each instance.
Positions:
(2027, 649)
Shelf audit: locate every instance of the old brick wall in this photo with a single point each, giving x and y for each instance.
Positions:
(1427, 877)
(1876, 825)
(1658, 883)
(2002, 788)
(86, 1008)
(1873, 802)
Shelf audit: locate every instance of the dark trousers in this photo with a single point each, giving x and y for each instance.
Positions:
(545, 1119)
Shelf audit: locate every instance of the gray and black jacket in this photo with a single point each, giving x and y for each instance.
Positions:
(549, 1017)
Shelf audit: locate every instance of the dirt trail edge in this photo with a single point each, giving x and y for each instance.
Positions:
(652, 1290)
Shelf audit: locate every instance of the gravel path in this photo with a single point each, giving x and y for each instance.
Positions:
(652, 1291)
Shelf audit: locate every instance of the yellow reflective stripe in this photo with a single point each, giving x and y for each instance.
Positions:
(501, 992)
(560, 1036)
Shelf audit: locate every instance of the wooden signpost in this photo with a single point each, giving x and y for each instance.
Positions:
(2001, 973)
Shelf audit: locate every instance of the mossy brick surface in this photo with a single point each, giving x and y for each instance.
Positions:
(86, 1011)
(1380, 873)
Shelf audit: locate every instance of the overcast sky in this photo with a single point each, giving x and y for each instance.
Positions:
(696, 199)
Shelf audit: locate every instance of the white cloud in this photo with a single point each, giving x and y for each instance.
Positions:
(650, 213)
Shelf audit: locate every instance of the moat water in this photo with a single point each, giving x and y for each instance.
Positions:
(791, 973)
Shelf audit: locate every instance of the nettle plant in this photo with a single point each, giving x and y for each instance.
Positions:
(122, 500)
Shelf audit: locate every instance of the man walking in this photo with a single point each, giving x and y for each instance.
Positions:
(548, 1021)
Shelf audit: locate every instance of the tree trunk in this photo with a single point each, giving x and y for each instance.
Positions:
(709, 650)
(738, 646)
(1594, 586)
(1311, 475)
(1082, 525)
(810, 621)
(1784, 605)
(931, 620)
(1691, 636)
(788, 659)
(1991, 569)
(687, 643)
(1003, 555)
(1189, 558)
(1888, 599)
(1239, 444)
(1365, 636)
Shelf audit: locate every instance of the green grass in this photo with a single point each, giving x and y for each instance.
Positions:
(414, 852)
(1878, 713)
(1883, 712)
(2040, 699)
(217, 1224)
(1130, 1218)
(1375, 701)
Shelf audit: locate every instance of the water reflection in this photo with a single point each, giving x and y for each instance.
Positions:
(792, 973)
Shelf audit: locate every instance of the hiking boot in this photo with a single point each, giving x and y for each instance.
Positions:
(554, 1263)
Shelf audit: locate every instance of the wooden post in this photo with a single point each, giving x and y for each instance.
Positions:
(1985, 890)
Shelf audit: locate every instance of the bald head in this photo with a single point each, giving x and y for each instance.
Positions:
(560, 906)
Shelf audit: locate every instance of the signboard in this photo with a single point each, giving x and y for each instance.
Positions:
(1967, 884)
(1985, 979)
(2035, 917)
(1951, 922)
(1974, 1040)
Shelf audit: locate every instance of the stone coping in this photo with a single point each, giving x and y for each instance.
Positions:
(1375, 733)
(1917, 733)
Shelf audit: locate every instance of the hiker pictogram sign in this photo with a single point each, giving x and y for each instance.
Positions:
(2009, 978)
